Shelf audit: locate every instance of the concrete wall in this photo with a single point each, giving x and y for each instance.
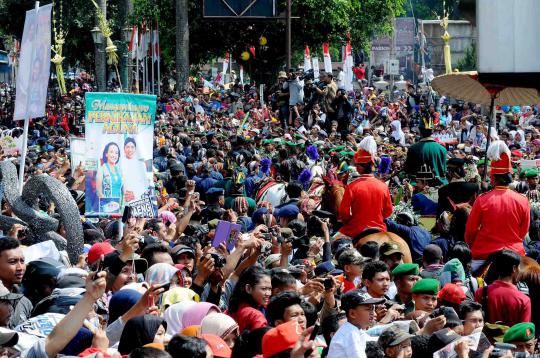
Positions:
(462, 35)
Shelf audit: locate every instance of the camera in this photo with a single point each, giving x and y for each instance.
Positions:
(501, 349)
(24, 232)
(266, 248)
(219, 261)
(328, 283)
(267, 236)
(308, 75)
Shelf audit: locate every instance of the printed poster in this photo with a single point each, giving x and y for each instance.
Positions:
(34, 64)
(119, 154)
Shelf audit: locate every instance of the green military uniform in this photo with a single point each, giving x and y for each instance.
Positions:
(404, 270)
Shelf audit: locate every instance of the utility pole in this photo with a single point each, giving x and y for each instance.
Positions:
(288, 35)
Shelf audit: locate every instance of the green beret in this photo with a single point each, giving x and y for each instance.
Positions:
(406, 269)
(531, 173)
(290, 144)
(267, 141)
(521, 332)
(426, 285)
(337, 149)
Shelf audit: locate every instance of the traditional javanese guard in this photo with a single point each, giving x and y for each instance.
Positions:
(427, 152)
(500, 218)
(366, 202)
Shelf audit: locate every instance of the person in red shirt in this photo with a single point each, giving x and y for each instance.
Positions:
(500, 218)
(359, 72)
(249, 298)
(366, 202)
(502, 301)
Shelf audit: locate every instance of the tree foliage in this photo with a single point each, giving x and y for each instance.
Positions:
(318, 21)
(468, 62)
(78, 20)
(430, 9)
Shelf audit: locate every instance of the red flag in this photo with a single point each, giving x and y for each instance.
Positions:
(326, 49)
(326, 56)
(134, 41)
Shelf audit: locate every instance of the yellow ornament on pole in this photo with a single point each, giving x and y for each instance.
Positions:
(446, 39)
(263, 41)
(245, 56)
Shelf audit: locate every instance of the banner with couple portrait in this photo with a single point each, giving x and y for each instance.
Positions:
(119, 154)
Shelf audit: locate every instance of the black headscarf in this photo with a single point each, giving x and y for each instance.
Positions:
(139, 331)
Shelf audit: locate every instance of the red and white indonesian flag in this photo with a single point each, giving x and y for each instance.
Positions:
(134, 42)
(327, 59)
(307, 59)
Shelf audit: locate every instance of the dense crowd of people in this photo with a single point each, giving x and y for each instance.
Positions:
(373, 224)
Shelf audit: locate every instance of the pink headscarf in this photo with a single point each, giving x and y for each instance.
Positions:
(195, 314)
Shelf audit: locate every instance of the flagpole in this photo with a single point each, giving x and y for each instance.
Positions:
(158, 49)
(158, 74)
(143, 57)
(152, 59)
(146, 74)
(142, 65)
(136, 75)
(22, 161)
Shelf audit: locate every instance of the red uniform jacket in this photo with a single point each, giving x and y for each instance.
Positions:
(499, 220)
(505, 303)
(366, 203)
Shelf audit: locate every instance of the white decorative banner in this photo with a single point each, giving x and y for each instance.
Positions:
(316, 71)
(34, 64)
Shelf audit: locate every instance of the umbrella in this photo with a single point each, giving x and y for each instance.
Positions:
(486, 89)
(467, 86)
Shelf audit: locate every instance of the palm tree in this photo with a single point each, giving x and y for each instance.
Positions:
(182, 45)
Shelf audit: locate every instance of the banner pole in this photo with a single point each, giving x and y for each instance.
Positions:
(25, 137)
(158, 61)
(152, 59)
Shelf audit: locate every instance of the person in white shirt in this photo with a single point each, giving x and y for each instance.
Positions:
(197, 107)
(350, 339)
(134, 169)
